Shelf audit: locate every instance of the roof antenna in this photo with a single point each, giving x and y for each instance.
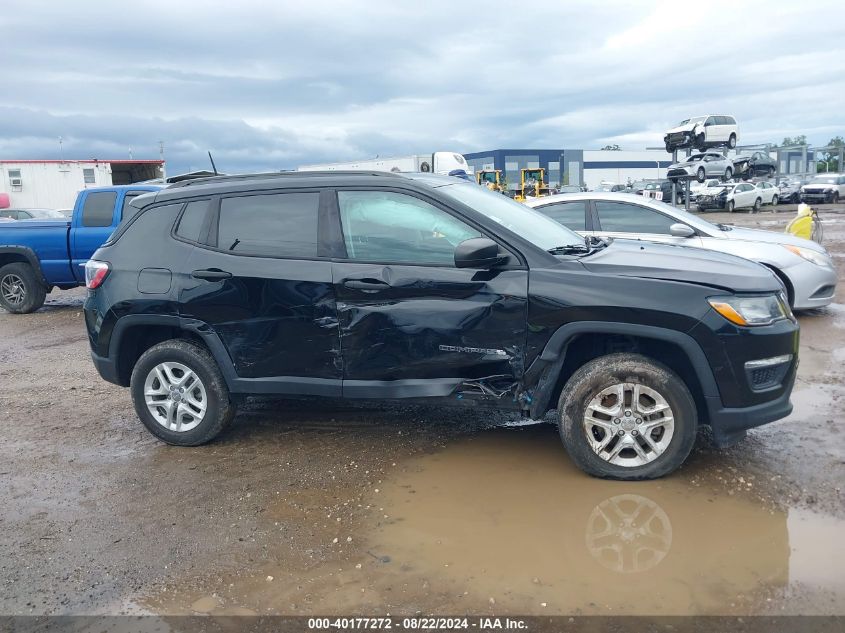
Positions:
(213, 167)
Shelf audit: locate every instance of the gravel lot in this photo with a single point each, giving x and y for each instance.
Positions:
(321, 508)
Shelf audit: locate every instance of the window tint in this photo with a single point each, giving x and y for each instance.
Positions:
(275, 225)
(128, 198)
(382, 226)
(631, 218)
(99, 208)
(193, 220)
(571, 214)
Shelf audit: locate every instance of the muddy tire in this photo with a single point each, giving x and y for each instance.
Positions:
(21, 291)
(179, 393)
(657, 418)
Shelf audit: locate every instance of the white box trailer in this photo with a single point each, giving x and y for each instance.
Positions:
(438, 163)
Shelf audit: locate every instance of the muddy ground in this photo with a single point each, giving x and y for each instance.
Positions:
(304, 508)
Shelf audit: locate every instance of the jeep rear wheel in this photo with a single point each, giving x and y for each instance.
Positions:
(626, 416)
(179, 393)
(21, 292)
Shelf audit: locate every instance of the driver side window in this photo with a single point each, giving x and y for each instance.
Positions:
(621, 217)
(388, 227)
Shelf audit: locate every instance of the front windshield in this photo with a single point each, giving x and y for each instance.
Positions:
(46, 214)
(824, 180)
(695, 119)
(695, 157)
(529, 224)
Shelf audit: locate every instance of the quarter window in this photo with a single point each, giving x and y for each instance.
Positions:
(571, 214)
(192, 220)
(274, 225)
(622, 217)
(382, 226)
(99, 208)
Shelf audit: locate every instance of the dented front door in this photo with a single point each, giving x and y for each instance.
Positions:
(411, 323)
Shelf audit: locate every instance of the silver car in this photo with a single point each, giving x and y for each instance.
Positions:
(804, 267)
(702, 166)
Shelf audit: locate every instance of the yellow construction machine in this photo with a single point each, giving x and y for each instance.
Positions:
(490, 178)
(532, 184)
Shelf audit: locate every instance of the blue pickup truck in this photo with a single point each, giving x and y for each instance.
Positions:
(38, 255)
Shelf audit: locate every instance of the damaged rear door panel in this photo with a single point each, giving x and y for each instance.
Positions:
(411, 323)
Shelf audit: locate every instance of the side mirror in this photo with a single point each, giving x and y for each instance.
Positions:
(477, 252)
(681, 230)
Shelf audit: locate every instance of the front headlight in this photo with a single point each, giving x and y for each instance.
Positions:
(819, 259)
(750, 311)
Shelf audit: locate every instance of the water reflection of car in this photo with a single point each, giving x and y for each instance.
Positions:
(32, 214)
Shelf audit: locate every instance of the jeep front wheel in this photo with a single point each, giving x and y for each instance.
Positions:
(180, 394)
(626, 416)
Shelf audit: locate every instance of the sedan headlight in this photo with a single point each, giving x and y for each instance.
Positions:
(750, 311)
(819, 259)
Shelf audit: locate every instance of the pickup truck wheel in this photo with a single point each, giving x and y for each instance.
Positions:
(21, 292)
(626, 416)
(180, 394)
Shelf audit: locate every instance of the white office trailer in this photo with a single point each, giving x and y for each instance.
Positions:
(438, 163)
(53, 184)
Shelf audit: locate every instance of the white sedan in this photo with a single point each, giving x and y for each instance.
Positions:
(730, 196)
(804, 267)
(769, 194)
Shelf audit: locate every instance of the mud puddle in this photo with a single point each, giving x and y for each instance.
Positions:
(503, 522)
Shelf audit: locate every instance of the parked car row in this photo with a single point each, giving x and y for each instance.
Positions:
(743, 195)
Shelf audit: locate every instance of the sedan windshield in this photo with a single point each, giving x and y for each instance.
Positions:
(529, 224)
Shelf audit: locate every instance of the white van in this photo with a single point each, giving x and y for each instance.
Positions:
(710, 130)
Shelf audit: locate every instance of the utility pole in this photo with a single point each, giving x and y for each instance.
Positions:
(161, 156)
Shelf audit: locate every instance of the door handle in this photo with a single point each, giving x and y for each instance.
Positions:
(211, 274)
(367, 285)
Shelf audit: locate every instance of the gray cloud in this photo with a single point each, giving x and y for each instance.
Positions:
(273, 85)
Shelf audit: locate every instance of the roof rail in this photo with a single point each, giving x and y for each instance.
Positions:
(210, 180)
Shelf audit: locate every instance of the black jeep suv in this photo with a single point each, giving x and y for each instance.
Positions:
(383, 286)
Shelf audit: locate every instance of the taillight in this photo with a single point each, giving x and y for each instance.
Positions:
(95, 273)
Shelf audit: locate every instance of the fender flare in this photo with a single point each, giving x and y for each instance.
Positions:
(201, 329)
(552, 357)
(27, 253)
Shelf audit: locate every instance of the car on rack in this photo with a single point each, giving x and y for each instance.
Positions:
(755, 164)
(702, 132)
(824, 188)
(790, 190)
(32, 214)
(805, 267)
(701, 166)
(730, 196)
(372, 285)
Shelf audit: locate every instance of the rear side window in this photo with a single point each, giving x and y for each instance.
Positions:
(274, 225)
(571, 214)
(192, 221)
(98, 209)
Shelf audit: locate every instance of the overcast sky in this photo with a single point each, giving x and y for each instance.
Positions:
(272, 85)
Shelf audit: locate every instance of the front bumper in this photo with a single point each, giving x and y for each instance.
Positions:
(812, 286)
(730, 424)
(815, 196)
(709, 202)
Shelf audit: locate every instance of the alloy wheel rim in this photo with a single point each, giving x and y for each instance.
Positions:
(13, 289)
(629, 424)
(175, 396)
